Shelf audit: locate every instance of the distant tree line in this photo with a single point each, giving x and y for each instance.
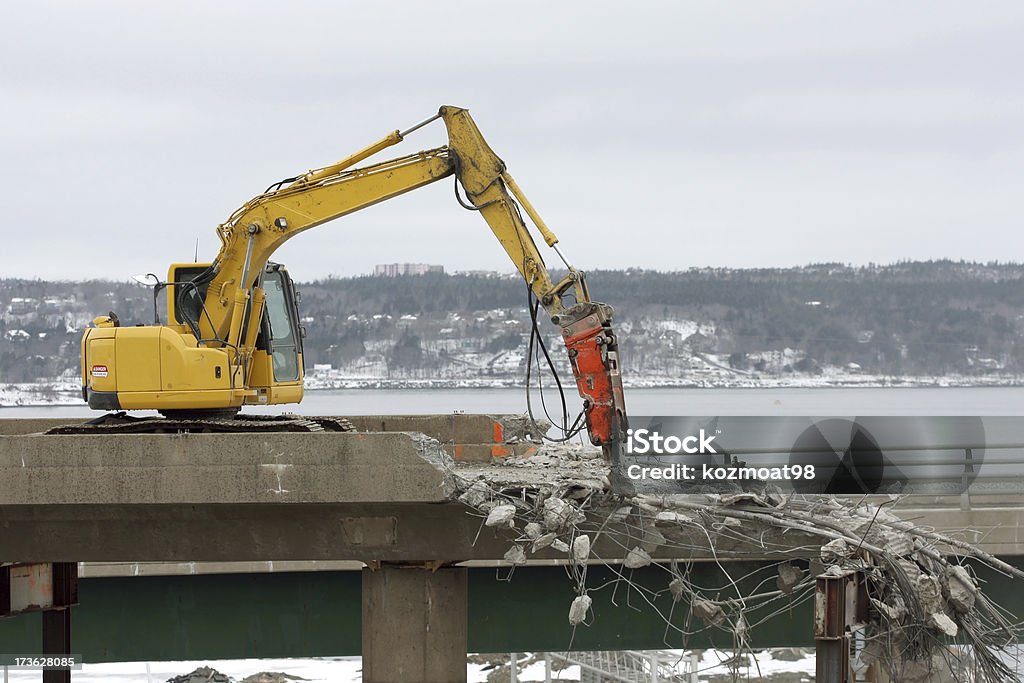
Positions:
(932, 317)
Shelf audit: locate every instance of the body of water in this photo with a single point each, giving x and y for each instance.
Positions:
(980, 401)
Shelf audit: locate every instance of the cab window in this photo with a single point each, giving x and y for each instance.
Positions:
(280, 309)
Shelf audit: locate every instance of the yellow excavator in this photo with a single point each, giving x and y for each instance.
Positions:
(233, 336)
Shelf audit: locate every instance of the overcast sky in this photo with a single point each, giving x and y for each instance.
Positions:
(658, 135)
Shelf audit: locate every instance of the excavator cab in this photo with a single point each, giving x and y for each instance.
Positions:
(174, 369)
(279, 338)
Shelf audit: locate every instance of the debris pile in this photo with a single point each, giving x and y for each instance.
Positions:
(205, 674)
(558, 502)
(271, 677)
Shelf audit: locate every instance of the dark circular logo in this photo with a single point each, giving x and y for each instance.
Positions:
(890, 455)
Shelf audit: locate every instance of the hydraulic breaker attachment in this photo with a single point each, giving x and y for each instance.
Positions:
(594, 353)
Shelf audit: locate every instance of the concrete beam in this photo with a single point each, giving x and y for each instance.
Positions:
(366, 532)
(154, 469)
(91, 570)
(466, 438)
(238, 533)
(995, 530)
(18, 426)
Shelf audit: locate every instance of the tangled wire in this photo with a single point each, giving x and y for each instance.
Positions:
(922, 592)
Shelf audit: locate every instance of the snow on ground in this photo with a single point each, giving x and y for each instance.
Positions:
(349, 669)
(535, 672)
(760, 664)
(329, 670)
(41, 393)
(333, 670)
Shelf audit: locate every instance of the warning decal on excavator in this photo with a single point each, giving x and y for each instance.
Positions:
(99, 371)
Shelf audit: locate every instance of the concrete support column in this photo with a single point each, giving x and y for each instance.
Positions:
(414, 624)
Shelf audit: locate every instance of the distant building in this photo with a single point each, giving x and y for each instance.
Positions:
(21, 305)
(495, 273)
(398, 269)
(699, 343)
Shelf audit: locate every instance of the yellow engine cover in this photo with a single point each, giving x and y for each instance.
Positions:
(156, 367)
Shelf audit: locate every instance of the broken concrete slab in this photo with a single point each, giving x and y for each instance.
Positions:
(177, 469)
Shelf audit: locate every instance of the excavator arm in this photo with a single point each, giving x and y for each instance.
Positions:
(233, 302)
(586, 325)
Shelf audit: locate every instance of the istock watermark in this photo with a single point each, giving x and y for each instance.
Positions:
(643, 441)
(709, 473)
(820, 455)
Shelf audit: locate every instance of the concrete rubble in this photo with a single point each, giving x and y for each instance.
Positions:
(516, 555)
(205, 674)
(708, 612)
(559, 500)
(579, 608)
(272, 677)
(501, 515)
(790, 577)
(581, 549)
(636, 558)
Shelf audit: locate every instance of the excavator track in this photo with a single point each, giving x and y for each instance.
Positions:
(122, 423)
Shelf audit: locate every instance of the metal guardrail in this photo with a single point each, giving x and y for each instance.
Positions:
(985, 469)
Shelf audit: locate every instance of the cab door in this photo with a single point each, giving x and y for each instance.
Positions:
(281, 333)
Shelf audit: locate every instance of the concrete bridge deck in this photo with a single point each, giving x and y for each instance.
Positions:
(283, 506)
(285, 497)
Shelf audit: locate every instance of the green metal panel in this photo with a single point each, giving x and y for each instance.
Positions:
(215, 616)
(530, 612)
(306, 614)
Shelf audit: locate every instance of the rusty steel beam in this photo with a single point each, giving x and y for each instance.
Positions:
(50, 588)
(840, 609)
